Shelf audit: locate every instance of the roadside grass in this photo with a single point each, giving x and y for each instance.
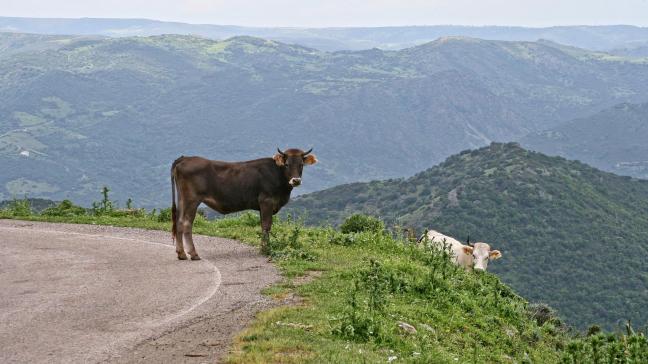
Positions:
(376, 298)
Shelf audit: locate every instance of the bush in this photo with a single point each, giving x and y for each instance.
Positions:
(358, 223)
(289, 245)
(608, 348)
(164, 215)
(66, 208)
(543, 313)
(19, 208)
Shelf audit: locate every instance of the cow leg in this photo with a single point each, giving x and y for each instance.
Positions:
(179, 229)
(266, 224)
(178, 241)
(186, 222)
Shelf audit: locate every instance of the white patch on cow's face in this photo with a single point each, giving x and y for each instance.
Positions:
(481, 256)
(294, 182)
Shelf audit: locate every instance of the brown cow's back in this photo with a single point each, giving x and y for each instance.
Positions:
(230, 186)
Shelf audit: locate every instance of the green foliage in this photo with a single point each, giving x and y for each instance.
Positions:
(164, 215)
(37, 205)
(65, 209)
(358, 223)
(571, 236)
(105, 206)
(285, 245)
(18, 207)
(601, 348)
(543, 313)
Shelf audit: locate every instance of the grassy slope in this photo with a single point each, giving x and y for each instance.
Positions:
(469, 316)
(571, 235)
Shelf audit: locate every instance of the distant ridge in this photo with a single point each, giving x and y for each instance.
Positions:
(81, 112)
(615, 139)
(602, 38)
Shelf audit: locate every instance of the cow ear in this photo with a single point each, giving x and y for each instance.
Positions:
(467, 250)
(310, 159)
(279, 160)
(495, 254)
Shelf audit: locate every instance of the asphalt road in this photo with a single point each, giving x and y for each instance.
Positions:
(86, 293)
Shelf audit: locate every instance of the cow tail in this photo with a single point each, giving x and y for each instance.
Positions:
(174, 210)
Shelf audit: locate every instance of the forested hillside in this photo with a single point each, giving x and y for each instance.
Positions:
(80, 113)
(571, 235)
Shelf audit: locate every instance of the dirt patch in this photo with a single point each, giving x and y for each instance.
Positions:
(310, 276)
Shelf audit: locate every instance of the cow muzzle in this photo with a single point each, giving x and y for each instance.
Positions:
(294, 182)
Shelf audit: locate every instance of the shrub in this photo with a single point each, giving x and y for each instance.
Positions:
(250, 219)
(288, 245)
(342, 239)
(66, 208)
(358, 223)
(19, 208)
(164, 215)
(543, 313)
(608, 348)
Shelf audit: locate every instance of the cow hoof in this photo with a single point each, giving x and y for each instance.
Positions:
(195, 257)
(182, 256)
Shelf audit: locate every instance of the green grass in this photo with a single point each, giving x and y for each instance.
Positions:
(366, 283)
(571, 235)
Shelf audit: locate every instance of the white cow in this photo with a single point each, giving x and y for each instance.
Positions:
(470, 257)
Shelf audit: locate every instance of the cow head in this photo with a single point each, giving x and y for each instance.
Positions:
(481, 254)
(292, 161)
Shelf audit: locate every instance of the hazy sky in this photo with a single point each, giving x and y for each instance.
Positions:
(323, 13)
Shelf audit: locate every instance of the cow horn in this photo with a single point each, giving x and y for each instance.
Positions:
(280, 152)
(310, 150)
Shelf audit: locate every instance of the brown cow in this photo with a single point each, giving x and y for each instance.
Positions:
(262, 184)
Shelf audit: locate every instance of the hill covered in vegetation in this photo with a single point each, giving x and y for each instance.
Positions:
(367, 296)
(615, 140)
(571, 235)
(605, 37)
(78, 113)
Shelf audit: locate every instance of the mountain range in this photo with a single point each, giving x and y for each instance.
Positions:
(601, 38)
(615, 140)
(81, 112)
(571, 236)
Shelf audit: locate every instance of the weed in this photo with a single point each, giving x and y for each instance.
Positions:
(288, 245)
(64, 209)
(360, 223)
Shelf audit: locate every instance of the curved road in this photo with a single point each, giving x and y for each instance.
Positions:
(86, 293)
